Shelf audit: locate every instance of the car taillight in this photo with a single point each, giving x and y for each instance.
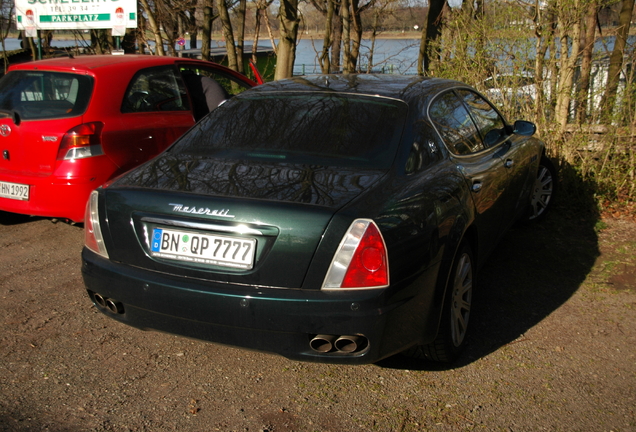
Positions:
(81, 142)
(93, 239)
(361, 260)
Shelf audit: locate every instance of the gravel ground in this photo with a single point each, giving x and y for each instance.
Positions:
(553, 347)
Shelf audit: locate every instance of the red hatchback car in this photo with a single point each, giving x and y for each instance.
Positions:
(68, 125)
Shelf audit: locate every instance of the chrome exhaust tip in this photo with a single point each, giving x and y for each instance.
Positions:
(107, 304)
(347, 344)
(114, 306)
(322, 343)
(99, 300)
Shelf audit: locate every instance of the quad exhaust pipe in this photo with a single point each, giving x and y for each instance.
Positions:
(108, 304)
(347, 344)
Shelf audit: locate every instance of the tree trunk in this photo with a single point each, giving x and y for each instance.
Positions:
(228, 34)
(288, 17)
(336, 41)
(325, 64)
(589, 38)
(570, 31)
(193, 28)
(154, 28)
(257, 31)
(346, 36)
(616, 59)
(270, 33)
(544, 31)
(374, 31)
(206, 33)
(429, 49)
(356, 41)
(96, 42)
(140, 35)
(240, 38)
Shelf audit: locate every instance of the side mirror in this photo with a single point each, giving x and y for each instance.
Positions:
(524, 128)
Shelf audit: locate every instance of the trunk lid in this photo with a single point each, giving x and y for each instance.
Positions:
(222, 220)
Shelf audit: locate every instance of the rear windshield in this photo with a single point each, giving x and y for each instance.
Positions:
(307, 128)
(45, 95)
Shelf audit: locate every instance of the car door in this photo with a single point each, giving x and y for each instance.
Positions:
(155, 112)
(482, 167)
(517, 152)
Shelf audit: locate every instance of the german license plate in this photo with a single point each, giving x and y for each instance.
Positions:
(226, 251)
(14, 191)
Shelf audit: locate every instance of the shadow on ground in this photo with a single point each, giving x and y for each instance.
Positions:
(7, 218)
(532, 272)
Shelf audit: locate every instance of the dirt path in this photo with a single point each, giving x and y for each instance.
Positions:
(553, 348)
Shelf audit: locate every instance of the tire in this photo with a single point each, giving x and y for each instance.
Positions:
(453, 328)
(543, 191)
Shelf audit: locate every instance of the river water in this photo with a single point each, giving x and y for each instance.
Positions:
(389, 55)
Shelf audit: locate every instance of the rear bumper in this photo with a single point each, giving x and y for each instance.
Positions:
(56, 195)
(281, 321)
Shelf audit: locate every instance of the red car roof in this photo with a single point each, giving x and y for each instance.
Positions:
(90, 62)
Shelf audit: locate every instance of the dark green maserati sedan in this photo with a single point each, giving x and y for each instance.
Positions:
(330, 218)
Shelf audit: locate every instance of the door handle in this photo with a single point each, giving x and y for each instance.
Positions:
(509, 163)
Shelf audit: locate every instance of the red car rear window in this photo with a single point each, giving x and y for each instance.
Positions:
(45, 95)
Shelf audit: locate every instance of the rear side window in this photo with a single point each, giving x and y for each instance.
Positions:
(156, 89)
(45, 95)
(308, 128)
(454, 124)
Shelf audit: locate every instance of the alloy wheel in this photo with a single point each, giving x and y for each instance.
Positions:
(461, 299)
(542, 193)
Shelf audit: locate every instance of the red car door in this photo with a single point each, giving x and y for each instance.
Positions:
(155, 111)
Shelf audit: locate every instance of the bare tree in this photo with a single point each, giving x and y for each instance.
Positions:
(154, 27)
(429, 46)
(286, 52)
(261, 10)
(228, 34)
(206, 32)
(616, 59)
(240, 37)
(544, 29)
(355, 37)
(330, 9)
(589, 39)
(569, 21)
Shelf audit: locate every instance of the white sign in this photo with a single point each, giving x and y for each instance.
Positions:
(75, 14)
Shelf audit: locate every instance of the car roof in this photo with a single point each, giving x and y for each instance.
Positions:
(388, 85)
(92, 62)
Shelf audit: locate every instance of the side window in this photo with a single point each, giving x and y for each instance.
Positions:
(208, 88)
(454, 124)
(155, 89)
(490, 124)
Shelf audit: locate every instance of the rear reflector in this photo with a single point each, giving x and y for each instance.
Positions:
(361, 260)
(93, 238)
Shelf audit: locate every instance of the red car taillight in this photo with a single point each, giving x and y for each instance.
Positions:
(81, 142)
(93, 238)
(361, 260)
